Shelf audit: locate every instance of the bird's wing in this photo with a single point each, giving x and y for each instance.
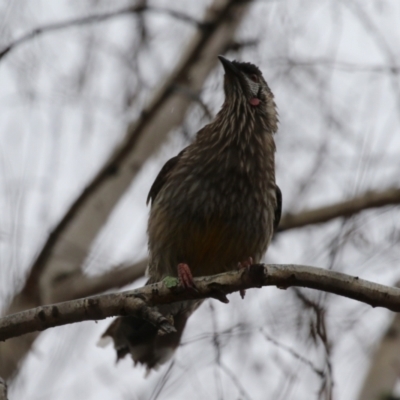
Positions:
(278, 209)
(162, 177)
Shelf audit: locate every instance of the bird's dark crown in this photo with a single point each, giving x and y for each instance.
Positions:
(246, 67)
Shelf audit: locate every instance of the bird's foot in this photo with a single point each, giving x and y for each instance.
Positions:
(185, 276)
(244, 264)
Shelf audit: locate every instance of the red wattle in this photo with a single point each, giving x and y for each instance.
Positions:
(254, 101)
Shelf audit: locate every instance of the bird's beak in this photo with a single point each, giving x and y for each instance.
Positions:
(229, 68)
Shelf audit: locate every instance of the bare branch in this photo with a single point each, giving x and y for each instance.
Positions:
(134, 301)
(342, 209)
(91, 308)
(95, 18)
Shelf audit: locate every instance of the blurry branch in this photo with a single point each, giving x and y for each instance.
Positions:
(235, 381)
(96, 18)
(70, 241)
(83, 286)
(383, 372)
(3, 390)
(217, 286)
(342, 209)
(319, 372)
(319, 332)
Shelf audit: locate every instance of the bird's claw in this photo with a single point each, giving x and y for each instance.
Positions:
(245, 264)
(185, 277)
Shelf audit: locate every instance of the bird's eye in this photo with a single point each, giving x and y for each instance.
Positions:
(254, 78)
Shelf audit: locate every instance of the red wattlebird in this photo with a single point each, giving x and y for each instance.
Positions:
(214, 207)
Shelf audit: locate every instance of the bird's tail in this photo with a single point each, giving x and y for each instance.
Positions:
(143, 341)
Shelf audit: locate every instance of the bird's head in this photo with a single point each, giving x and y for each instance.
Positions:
(244, 82)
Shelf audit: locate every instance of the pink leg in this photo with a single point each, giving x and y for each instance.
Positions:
(241, 265)
(185, 276)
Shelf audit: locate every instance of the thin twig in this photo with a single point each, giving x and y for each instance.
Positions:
(235, 380)
(294, 354)
(95, 18)
(319, 331)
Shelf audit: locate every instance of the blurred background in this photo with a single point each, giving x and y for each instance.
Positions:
(96, 95)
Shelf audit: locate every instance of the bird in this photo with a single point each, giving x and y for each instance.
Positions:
(214, 208)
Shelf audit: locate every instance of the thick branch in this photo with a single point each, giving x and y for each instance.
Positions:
(133, 301)
(341, 209)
